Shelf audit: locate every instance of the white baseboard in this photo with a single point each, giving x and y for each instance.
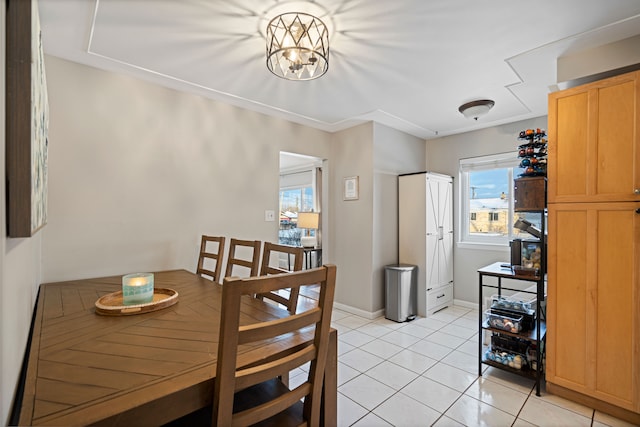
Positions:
(465, 304)
(380, 313)
(366, 314)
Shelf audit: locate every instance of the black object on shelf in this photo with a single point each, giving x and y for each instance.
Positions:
(524, 225)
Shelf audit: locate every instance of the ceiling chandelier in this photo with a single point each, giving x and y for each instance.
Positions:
(475, 109)
(297, 46)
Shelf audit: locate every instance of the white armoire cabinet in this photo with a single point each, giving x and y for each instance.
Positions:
(425, 231)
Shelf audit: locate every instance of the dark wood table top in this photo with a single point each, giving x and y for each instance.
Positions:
(84, 368)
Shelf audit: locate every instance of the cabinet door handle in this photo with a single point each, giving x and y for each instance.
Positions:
(636, 191)
(638, 211)
(440, 296)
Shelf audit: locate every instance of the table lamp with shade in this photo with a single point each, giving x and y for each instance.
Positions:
(310, 221)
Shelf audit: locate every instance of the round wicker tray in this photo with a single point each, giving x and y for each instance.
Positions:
(112, 305)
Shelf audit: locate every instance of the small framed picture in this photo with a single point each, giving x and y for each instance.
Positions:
(350, 189)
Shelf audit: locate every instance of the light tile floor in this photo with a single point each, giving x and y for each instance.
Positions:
(425, 373)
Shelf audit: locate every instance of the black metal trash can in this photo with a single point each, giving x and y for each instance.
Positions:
(401, 283)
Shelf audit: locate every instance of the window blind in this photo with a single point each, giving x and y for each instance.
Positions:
(496, 161)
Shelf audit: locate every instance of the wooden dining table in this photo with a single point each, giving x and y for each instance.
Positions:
(83, 368)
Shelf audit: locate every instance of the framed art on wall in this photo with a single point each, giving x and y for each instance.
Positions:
(350, 188)
(27, 120)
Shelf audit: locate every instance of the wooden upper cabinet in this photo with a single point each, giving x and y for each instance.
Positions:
(594, 141)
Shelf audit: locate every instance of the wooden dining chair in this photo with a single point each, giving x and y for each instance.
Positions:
(245, 254)
(245, 395)
(211, 250)
(273, 252)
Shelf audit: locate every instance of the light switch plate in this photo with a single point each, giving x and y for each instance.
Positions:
(269, 215)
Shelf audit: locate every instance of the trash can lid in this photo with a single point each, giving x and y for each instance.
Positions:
(403, 267)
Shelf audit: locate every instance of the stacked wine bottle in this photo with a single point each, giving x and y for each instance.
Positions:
(533, 152)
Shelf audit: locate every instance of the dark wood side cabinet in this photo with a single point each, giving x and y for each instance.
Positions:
(530, 193)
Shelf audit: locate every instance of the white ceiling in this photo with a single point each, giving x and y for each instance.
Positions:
(407, 64)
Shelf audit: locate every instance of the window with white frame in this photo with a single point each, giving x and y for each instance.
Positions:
(297, 194)
(486, 200)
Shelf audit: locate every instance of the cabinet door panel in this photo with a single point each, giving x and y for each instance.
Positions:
(567, 297)
(439, 232)
(446, 260)
(432, 218)
(567, 163)
(616, 139)
(445, 215)
(432, 267)
(446, 203)
(615, 302)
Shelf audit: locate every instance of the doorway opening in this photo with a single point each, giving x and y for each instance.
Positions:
(301, 201)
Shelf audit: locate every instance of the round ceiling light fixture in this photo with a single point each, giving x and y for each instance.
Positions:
(475, 109)
(297, 46)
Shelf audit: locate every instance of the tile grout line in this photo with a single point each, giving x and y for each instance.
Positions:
(454, 402)
(523, 405)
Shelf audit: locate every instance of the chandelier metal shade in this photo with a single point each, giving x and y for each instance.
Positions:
(297, 46)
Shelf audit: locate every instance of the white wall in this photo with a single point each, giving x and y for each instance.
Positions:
(352, 155)
(443, 155)
(365, 234)
(19, 273)
(138, 172)
(395, 153)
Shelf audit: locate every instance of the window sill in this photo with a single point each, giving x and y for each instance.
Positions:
(481, 246)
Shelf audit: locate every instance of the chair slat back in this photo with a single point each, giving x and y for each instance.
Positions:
(211, 251)
(232, 376)
(294, 255)
(243, 253)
